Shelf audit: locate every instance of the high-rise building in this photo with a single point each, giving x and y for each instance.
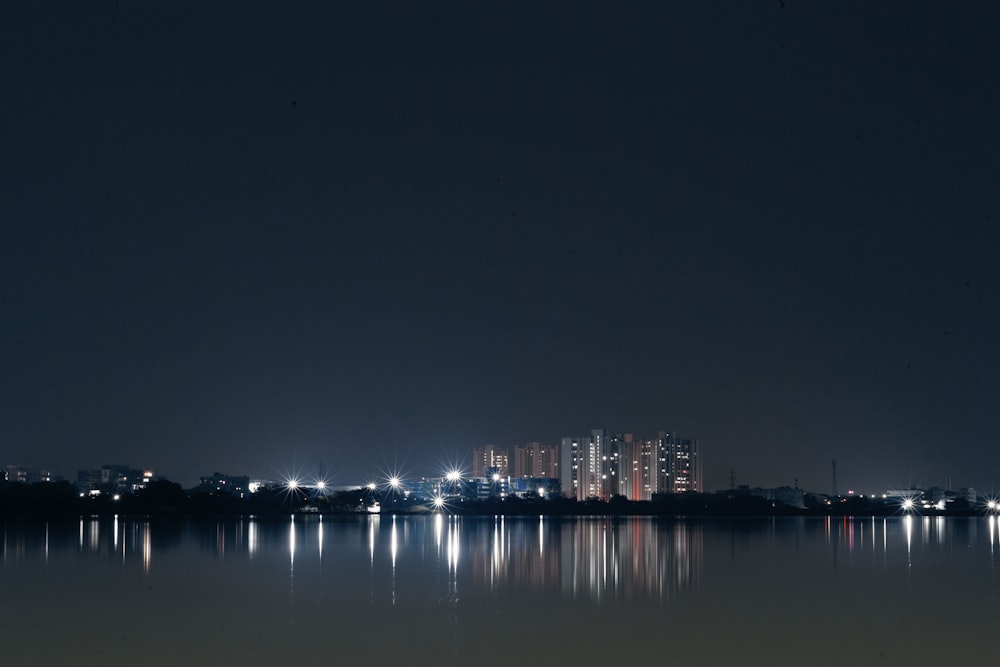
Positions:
(601, 473)
(571, 454)
(587, 466)
(685, 465)
(490, 459)
(535, 460)
(633, 463)
(600, 466)
(661, 475)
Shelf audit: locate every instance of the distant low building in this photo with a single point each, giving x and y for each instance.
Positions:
(535, 487)
(88, 480)
(113, 478)
(21, 474)
(261, 484)
(786, 495)
(229, 484)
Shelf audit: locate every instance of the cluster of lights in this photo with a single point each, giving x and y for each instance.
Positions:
(395, 483)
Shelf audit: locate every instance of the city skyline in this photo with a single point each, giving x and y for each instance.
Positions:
(382, 233)
(616, 464)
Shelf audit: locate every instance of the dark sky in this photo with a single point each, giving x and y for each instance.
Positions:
(249, 236)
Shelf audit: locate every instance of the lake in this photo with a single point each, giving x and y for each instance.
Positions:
(499, 590)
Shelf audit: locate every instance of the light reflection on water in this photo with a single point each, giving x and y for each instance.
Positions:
(585, 558)
(443, 581)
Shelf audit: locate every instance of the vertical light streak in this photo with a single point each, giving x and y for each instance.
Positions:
(252, 538)
(438, 531)
(319, 538)
(147, 548)
(908, 528)
(393, 549)
(291, 559)
(94, 534)
(453, 545)
(495, 554)
(541, 537)
(504, 546)
(604, 562)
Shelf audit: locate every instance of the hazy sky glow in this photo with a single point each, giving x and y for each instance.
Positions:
(247, 238)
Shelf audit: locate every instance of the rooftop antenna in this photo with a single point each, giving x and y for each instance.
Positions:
(834, 464)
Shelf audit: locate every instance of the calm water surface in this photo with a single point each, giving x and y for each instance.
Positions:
(426, 589)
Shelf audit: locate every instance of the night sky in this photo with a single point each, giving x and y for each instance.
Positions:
(248, 237)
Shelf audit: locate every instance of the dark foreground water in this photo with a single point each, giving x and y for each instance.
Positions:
(537, 591)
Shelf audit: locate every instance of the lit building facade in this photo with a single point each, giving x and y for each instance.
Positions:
(601, 466)
(535, 460)
(571, 454)
(489, 459)
(685, 465)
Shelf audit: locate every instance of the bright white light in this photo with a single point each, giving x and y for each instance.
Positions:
(438, 501)
(453, 476)
(320, 484)
(372, 486)
(394, 482)
(908, 504)
(991, 504)
(496, 477)
(293, 484)
(116, 497)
